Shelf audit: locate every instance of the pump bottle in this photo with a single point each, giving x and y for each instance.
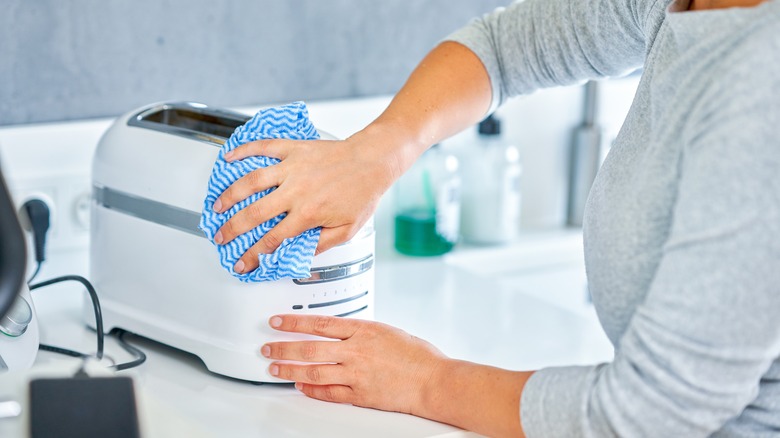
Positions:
(427, 205)
(491, 172)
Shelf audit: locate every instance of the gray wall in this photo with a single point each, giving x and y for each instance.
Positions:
(63, 60)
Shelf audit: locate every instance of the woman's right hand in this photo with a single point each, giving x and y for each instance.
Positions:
(335, 185)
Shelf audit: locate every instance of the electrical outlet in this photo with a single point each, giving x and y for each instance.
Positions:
(68, 198)
(40, 194)
(53, 162)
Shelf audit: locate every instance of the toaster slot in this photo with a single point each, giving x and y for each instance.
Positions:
(191, 120)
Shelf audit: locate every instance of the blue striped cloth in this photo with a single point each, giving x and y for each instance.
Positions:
(293, 257)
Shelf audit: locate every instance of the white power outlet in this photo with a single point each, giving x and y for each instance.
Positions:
(34, 195)
(52, 162)
(68, 199)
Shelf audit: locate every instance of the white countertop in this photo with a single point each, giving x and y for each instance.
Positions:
(519, 307)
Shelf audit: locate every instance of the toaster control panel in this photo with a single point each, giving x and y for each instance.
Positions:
(339, 290)
(354, 302)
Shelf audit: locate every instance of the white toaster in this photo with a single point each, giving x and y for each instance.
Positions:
(158, 276)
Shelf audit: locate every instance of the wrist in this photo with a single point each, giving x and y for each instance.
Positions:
(433, 399)
(387, 143)
(474, 397)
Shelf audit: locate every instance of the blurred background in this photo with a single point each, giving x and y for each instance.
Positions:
(67, 69)
(88, 58)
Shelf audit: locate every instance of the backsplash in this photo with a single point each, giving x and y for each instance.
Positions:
(86, 59)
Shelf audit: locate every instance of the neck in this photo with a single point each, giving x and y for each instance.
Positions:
(703, 5)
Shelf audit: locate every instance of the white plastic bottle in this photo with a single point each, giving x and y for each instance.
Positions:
(491, 198)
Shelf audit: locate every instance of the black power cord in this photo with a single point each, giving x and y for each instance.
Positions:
(39, 216)
(140, 357)
(60, 350)
(35, 273)
(95, 304)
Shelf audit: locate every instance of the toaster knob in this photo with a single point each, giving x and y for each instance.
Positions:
(15, 322)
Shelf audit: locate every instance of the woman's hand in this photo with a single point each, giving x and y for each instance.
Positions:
(333, 184)
(373, 365)
(378, 366)
(336, 185)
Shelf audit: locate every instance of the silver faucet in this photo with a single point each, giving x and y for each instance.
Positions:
(584, 158)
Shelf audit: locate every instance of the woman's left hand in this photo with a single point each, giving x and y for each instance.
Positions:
(373, 365)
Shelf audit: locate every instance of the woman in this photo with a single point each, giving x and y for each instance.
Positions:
(682, 227)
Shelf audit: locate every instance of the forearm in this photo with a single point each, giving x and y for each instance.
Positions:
(447, 92)
(475, 397)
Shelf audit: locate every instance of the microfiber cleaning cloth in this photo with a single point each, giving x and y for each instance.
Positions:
(293, 257)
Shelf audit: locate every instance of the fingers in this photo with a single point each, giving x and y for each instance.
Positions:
(288, 227)
(274, 148)
(246, 186)
(329, 393)
(303, 351)
(320, 374)
(266, 245)
(260, 211)
(325, 326)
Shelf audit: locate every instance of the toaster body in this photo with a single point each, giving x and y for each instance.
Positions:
(159, 277)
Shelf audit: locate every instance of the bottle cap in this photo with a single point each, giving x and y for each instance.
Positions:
(490, 126)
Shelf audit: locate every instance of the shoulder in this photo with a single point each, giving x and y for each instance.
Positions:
(751, 56)
(743, 80)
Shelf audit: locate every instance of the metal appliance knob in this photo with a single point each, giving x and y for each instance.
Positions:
(18, 318)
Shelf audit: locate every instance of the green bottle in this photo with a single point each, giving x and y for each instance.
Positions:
(427, 210)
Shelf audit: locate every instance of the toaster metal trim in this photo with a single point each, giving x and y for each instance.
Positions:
(148, 210)
(185, 220)
(337, 272)
(191, 120)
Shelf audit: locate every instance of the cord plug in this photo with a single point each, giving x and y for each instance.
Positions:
(39, 216)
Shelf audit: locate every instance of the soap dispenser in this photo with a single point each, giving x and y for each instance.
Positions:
(491, 187)
(427, 205)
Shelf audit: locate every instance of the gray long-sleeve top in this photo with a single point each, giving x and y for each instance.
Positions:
(682, 225)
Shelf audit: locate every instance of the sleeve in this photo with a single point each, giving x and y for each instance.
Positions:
(696, 349)
(543, 43)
